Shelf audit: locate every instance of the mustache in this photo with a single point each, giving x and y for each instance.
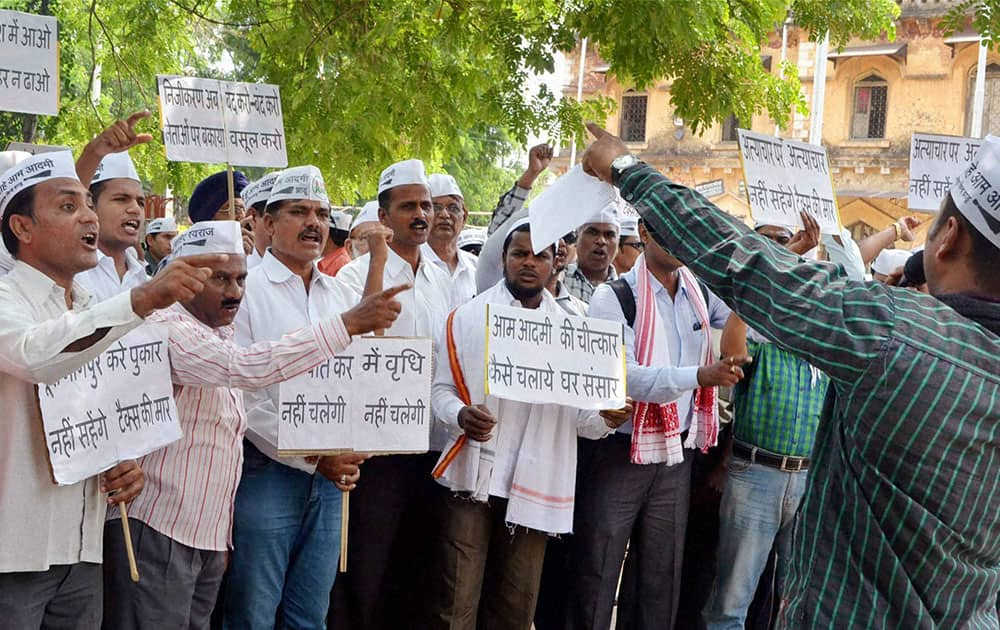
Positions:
(228, 303)
(309, 232)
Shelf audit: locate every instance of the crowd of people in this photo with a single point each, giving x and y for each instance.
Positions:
(802, 445)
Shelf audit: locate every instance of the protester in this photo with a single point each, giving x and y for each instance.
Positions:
(255, 197)
(159, 233)
(508, 488)
(894, 529)
(210, 202)
(629, 244)
(182, 530)
(471, 240)
(777, 409)
(627, 497)
(392, 521)
(441, 248)
(286, 518)
(50, 574)
(335, 254)
(120, 205)
(365, 221)
(596, 248)
(9, 159)
(567, 301)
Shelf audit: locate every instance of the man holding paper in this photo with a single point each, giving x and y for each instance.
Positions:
(391, 511)
(511, 485)
(898, 527)
(286, 520)
(50, 572)
(182, 523)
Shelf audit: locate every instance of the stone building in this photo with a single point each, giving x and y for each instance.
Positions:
(877, 94)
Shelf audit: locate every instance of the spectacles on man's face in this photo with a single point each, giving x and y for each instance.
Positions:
(451, 208)
(638, 245)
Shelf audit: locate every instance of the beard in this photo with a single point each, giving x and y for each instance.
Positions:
(522, 293)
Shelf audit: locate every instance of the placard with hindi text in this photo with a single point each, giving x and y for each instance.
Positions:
(547, 357)
(375, 397)
(117, 407)
(29, 63)
(936, 161)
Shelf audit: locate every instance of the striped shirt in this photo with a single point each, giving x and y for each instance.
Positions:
(191, 483)
(900, 524)
(779, 402)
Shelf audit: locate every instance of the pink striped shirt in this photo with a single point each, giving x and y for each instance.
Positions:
(190, 484)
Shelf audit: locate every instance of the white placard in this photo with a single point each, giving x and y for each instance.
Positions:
(565, 205)
(375, 397)
(935, 163)
(117, 407)
(210, 121)
(786, 177)
(29, 63)
(544, 357)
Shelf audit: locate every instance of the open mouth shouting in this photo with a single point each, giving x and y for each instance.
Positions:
(131, 226)
(313, 237)
(89, 240)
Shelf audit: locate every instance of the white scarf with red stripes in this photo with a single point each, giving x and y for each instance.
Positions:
(656, 428)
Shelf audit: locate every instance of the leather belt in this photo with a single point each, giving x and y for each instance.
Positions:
(783, 463)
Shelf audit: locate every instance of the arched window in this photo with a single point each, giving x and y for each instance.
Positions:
(870, 97)
(991, 100)
(633, 124)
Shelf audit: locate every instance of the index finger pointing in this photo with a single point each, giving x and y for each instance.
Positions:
(388, 293)
(136, 117)
(596, 131)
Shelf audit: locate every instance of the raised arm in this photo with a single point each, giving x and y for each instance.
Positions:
(513, 200)
(808, 308)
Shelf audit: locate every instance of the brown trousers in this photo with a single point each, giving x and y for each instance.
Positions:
(490, 571)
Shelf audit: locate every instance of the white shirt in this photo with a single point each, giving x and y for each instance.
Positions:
(425, 306)
(276, 303)
(685, 339)
(191, 484)
(254, 259)
(463, 279)
(102, 281)
(535, 444)
(44, 524)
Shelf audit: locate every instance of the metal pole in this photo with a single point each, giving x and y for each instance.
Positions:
(979, 97)
(819, 91)
(579, 95)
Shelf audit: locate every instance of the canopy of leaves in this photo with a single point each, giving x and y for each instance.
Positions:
(368, 82)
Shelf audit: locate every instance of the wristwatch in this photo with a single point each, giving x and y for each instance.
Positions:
(620, 164)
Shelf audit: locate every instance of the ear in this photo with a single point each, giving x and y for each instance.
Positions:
(21, 226)
(269, 223)
(949, 240)
(383, 216)
(643, 234)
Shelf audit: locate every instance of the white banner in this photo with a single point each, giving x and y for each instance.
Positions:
(29, 63)
(543, 357)
(375, 397)
(935, 163)
(786, 177)
(119, 406)
(565, 205)
(210, 121)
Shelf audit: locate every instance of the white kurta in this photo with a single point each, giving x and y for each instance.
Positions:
(102, 281)
(531, 458)
(463, 279)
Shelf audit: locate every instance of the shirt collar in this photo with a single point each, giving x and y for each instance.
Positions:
(224, 332)
(278, 273)
(132, 264)
(548, 302)
(428, 254)
(38, 287)
(574, 270)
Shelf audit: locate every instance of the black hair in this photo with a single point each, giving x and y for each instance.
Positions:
(97, 189)
(570, 238)
(384, 199)
(339, 237)
(22, 204)
(519, 229)
(985, 259)
(259, 208)
(274, 208)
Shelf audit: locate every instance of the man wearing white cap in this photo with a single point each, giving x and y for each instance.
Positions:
(255, 197)
(441, 248)
(887, 262)
(335, 254)
(391, 522)
(629, 245)
(182, 529)
(50, 573)
(596, 248)
(471, 240)
(898, 526)
(159, 233)
(511, 485)
(364, 222)
(7, 160)
(286, 518)
(120, 205)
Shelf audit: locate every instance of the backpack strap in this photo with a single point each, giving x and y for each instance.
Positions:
(625, 299)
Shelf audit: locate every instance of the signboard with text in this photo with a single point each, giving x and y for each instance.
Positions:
(935, 163)
(29, 63)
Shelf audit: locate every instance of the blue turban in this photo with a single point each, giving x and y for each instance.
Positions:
(212, 193)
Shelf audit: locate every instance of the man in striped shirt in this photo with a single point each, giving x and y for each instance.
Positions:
(900, 526)
(181, 524)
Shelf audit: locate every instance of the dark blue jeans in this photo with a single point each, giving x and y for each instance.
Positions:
(286, 545)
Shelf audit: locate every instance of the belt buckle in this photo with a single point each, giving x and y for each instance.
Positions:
(786, 468)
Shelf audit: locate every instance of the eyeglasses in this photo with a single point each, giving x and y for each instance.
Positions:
(638, 245)
(452, 208)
